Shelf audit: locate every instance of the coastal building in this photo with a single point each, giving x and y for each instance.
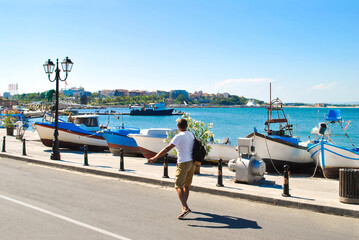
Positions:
(125, 93)
(320, 105)
(76, 92)
(134, 93)
(106, 93)
(161, 93)
(198, 94)
(208, 96)
(175, 93)
(223, 95)
(148, 93)
(121, 93)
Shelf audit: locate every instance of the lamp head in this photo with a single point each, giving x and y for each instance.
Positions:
(49, 66)
(66, 65)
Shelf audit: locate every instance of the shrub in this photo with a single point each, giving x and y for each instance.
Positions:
(199, 129)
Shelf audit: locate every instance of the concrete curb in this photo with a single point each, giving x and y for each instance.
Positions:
(169, 183)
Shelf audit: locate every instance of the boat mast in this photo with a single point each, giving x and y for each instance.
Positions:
(270, 94)
(270, 106)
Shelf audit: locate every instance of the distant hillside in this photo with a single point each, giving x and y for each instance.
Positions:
(348, 103)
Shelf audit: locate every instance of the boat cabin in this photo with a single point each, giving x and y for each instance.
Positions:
(88, 122)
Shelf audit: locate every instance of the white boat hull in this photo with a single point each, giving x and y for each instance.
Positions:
(331, 158)
(222, 151)
(150, 146)
(278, 152)
(34, 114)
(68, 139)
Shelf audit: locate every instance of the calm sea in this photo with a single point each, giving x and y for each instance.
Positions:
(239, 122)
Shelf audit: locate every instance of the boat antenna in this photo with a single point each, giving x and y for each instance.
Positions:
(270, 96)
(269, 112)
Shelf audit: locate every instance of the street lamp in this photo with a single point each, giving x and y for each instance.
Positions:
(49, 68)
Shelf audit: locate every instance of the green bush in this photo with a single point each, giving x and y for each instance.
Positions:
(199, 129)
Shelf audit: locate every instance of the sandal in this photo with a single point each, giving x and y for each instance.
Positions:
(184, 213)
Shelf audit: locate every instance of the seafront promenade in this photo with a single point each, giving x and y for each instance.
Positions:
(314, 194)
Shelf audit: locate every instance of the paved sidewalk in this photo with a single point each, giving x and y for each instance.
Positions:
(315, 194)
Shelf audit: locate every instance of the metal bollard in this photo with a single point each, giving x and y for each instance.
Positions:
(286, 182)
(220, 176)
(24, 147)
(122, 163)
(3, 144)
(165, 167)
(86, 155)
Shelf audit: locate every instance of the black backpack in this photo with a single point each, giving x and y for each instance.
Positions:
(199, 151)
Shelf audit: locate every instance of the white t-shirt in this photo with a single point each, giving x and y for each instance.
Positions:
(184, 144)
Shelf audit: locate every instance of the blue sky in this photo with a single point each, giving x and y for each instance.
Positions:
(309, 50)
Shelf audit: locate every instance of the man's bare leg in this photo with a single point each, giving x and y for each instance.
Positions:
(183, 198)
(186, 192)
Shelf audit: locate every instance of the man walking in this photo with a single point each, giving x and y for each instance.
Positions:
(183, 142)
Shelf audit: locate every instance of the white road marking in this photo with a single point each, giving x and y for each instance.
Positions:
(65, 218)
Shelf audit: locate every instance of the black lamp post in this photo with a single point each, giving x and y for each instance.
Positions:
(49, 68)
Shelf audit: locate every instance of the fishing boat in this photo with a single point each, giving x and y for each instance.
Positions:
(117, 139)
(82, 130)
(278, 147)
(329, 156)
(153, 140)
(33, 114)
(152, 109)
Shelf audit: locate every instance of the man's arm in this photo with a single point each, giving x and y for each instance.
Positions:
(161, 153)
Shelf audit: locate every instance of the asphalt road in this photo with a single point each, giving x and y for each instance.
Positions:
(38, 202)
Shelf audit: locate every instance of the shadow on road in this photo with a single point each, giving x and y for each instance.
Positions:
(211, 220)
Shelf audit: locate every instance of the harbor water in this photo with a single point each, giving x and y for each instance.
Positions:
(239, 122)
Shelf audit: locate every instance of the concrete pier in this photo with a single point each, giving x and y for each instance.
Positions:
(315, 194)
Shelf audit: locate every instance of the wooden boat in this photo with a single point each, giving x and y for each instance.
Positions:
(329, 156)
(276, 151)
(118, 139)
(83, 130)
(278, 147)
(151, 141)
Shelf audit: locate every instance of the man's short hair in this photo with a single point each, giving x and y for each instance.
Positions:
(182, 124)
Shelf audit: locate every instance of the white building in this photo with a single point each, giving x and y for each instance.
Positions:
(251, 103)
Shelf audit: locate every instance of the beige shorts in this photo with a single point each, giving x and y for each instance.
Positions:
(184, 174)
